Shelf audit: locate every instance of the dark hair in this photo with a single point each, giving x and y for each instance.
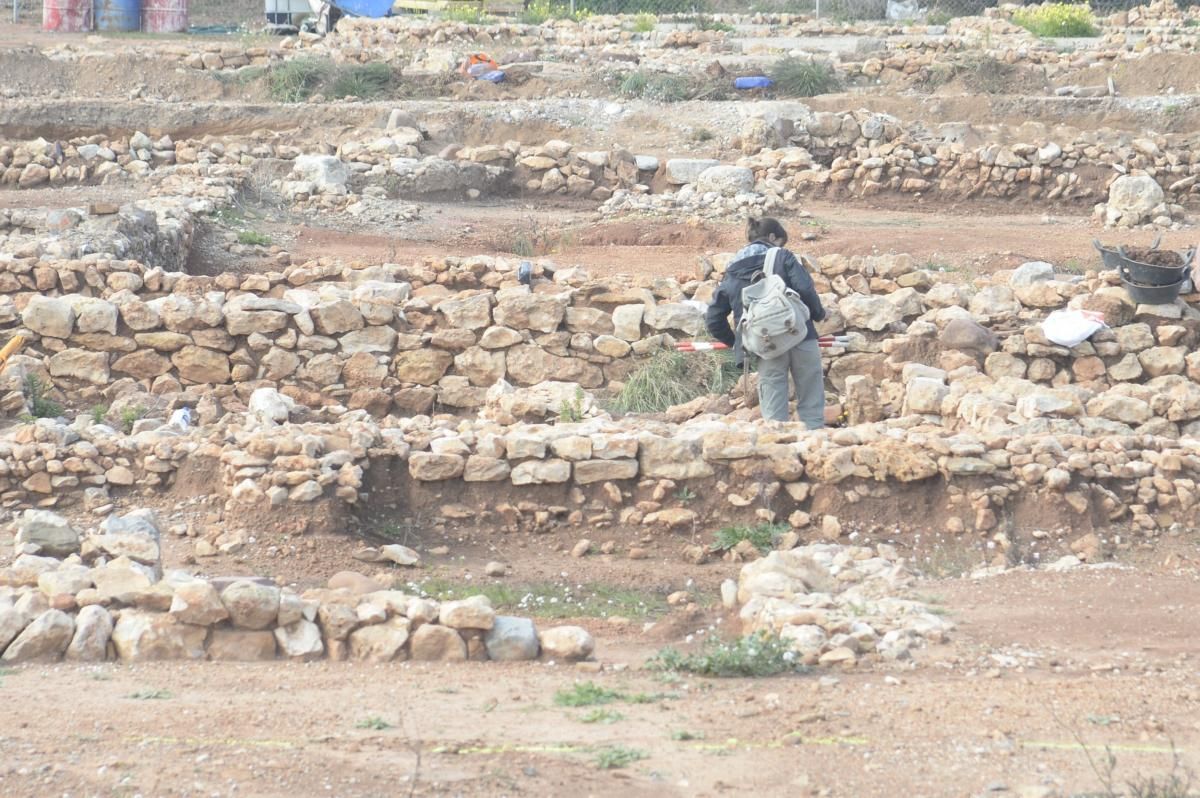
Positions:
(764, 228)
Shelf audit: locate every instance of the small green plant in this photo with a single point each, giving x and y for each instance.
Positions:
(644, 23)
(759, 654)
(1065, 20)
(585, 694)
(98, 413)
(364, 81)
(938, 17)
(762, 536)
(470, 13)
(540, 11)
(39, 405)
(672, 378)
(151, 695)
(685, 495)
(656, 87)
(251, 238)
(373, 722)
(702, 134)
(601, 716)
(572, 412)
(795, 77)
(684, 736)
(709, 23)
(296, 80)
(618, 756)
(130, 416)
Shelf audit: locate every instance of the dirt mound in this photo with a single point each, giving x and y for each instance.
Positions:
(1149, 75)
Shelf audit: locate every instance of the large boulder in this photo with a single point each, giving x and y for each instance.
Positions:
(44, 640)
(327, 173)
(728, 181)
(148, 636)
(300, 640)
(1132, 198)
(93, 630)
(471, 613)
(567, 643)
(437, 643)
(80, 364)
(381, 642)
(197, 602)
(251, 605)
(511, 639)
(49, 316)
(50, 532)
(681, 171)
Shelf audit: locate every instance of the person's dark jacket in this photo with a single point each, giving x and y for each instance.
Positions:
(728, 297)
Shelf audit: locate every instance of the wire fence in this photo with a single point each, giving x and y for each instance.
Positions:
(249, 14)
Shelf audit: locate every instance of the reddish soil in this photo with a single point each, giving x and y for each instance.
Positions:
(1041, 662)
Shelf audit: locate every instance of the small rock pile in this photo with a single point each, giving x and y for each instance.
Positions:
(107, 598)
(835, 605)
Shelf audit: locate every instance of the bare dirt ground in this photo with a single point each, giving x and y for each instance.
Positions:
(1041, 663)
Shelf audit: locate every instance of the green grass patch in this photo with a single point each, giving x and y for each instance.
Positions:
(644, 23)
(540, 11)
(130, 416)
(585, 694)
(1063, 20)
(618, 756)
(373, 722)
(684, 736)
(254, 239)
(601, 716)
(98, 412)
(470, 13)
(756, 655)
(296, 80)
(551, 600)
(151, 695)
(673, 378)
(795, 77)
(762, 536)
(364, 81)
(658, 87)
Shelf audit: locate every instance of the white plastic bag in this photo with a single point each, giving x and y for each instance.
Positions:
(1071, 327)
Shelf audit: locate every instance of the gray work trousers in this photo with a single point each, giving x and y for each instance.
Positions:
(803, 362)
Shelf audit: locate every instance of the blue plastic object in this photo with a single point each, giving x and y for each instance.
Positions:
(525, 272)
(753, 83)
(364, 8)
(495, 76)
(119, 15)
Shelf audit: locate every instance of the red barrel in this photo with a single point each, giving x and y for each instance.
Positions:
(164, 16)
(67, 16)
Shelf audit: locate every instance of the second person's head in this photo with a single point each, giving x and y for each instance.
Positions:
(766, 229)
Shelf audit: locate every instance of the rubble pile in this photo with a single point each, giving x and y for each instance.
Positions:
(836, 604)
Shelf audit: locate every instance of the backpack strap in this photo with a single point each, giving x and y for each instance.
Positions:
(769, 264)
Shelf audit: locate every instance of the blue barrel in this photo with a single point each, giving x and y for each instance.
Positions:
(119, 15)
(760, 82)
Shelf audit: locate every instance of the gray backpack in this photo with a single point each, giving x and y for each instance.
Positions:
(774, 317)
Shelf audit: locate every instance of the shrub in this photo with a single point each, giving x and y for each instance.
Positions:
(540, 11)
(644, 23)
(130, 416)
(656, 87)
(252, 238)
(759, 654)
(796, 78)
(98, 413)
(1057, 19)
(470, 13)
(672, 378)
(763, 536)
(585, 694)
(295, 81)
(618, 756)
(364, 81)
(39, 405)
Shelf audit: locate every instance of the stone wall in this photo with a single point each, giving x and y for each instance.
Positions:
(104, 596)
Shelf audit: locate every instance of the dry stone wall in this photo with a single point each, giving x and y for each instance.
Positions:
(104, 596)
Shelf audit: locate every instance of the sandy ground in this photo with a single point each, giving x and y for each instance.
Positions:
(1041, 663)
